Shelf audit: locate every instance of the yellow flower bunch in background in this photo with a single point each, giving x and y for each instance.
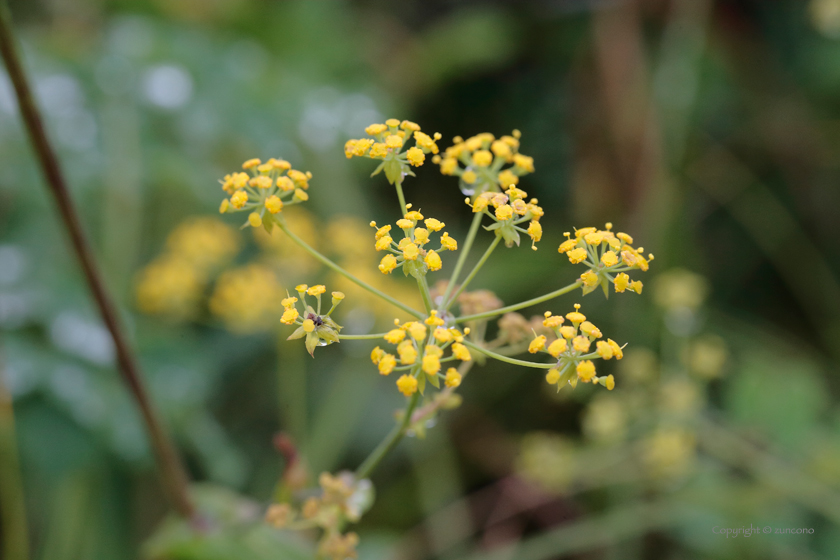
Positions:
(410, 253)
(510, 210)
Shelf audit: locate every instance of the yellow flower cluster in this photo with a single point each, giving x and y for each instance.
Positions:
(340, 499)
(387, 142)
(246, 298)
(411, 252)
(481, 162)
(425, 342)
(266, 191)
(609, 255)
(572, 348)
(510, 210)
(173, 283)
(319, 330)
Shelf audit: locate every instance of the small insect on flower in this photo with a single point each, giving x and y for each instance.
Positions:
(318, 329)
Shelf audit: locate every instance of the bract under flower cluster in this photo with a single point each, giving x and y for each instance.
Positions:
(480, 162)
(414, 340)
(510, 210)
(387, 142)
(411, 252)
(319, 330)
(266, 191)
(609, 255)
(572, 348)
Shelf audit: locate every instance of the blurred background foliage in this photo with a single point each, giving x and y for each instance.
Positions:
(708, 129)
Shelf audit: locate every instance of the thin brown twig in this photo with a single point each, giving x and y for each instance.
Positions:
(171, 469)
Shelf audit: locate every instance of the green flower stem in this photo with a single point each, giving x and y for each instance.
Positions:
(475, 270)
(462, 258)
(424, 291)
(390, 441)
(488, 314)
(361, 336)
(401, 196)
(346, 274)
(501, 358)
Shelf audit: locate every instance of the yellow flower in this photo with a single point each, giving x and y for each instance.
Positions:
(448, 166)
(482, 158)
(431, 363)
(383, 243)
(407, 385)
(405, 223)
(447, 242)
(581, 344)
(433, 261)
(469, 177)
(285, 184)
(535, 231)
(407, 352)
(604, 349)
(288, 301)
(301, 195)
(433, 320)
(289, 316)
(224, 206)
(273, 204)
(590, 330)
(525, 163)
(576, 316)
(557, 347)
(251, 163)
(504, 212)
(552, 321)
(433, 224)
(254, 219)
(609, 258)
(553, 376)
(636, 286)
(308, 325)
(387, 264)
(417, 330)
(442, 335)
(316, 290)
(609, 383)
(387, 363)
(621, 282)
(377, 354)
(589, 278)
(585, 370)
(461, 352)
(415, 156)
(537, 344)
(421, 236)
(617, 352)
(375, 129)
(410, 252)
(567, 245)
(577, 255)
(453, 378)
(394, 142)
(239, 199)
(567, 332)
(425, 142)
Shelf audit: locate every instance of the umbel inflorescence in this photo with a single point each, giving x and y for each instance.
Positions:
(438, 345)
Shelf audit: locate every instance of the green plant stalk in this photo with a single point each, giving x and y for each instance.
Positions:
(390, 441)
(528, 303)
(305, 246)
(424, 291)
(475, 270)
(502, 358)
(462, 258)
(172, 472)
(401, 196)
(12, 503)
(361, 336)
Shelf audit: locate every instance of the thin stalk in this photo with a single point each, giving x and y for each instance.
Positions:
(424, 291)
(462, 258)
(401, 196)
(361, 336)
(390, 441)
(475, 270)
(346, 274)
(528, 303)
(502, 358)
(12, 502)
(171, 469)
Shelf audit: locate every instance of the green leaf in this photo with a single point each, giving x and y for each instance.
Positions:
(299, 333)
(435, 380)
(421, 383)
(312, 343)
